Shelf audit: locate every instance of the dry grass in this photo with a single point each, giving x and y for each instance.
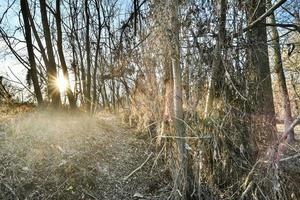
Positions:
(48, 155)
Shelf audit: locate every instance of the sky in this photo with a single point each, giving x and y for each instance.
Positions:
(7, 60)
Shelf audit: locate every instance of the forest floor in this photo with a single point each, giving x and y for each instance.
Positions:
(47, 155)
(50, 155)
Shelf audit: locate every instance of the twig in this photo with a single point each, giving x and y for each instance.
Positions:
(140, 167)
(20, 81)
(89, 194)
(250, 174)
(290, 157)
(58, 188)
(187, 137)
(156, 159)
(247, 190)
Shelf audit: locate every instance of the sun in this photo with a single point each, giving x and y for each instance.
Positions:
(61, 83)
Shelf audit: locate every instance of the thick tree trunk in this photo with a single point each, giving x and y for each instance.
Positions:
(70, 94)
(51, 68)
(33, 69)
(278, 68)
(181, 182)
(260, 95)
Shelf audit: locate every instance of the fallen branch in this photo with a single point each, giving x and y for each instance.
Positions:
(177, 137)
(137, 169)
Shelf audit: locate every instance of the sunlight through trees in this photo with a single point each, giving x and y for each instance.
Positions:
(211, 86)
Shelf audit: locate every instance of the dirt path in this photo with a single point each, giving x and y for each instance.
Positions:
(63, 156)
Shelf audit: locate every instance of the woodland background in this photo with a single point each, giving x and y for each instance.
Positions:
(210, 82)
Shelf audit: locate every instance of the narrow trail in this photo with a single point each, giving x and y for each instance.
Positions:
(62, 156)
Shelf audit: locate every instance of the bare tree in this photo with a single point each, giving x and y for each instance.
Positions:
(88, 55)
(62, 57)
(278, 66)
(259, 76)
(217, 76)
(181, 179)
(33, 68)
(53, 91)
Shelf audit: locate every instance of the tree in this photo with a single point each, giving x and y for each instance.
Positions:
(62, 57)
(88, 55)
(96, 64)
(33, 68)
(181, 179)
(260, 99)
(53, 92)
(278, 68)
(217, 76)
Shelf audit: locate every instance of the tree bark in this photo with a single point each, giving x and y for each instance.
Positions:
(96, 65)
(51, 68)
(38, 39)
(260, 95)
(217, 77)
(278, 68)
(33, 68)
(81, 68)
(69, 92)
(88, 56)
(181, 182)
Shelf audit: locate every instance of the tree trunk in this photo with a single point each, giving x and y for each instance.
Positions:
(278, 68)
(186, 77)
(33, 69)
(181, 179)
(96, 65)
(74, 64)
(88, 56)
(217, 77)
(51, 68)
(113, 94)
(260, 98)
(82, 71)
(95, 88)
(62, 57)
(105, 96)
(38, 39)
